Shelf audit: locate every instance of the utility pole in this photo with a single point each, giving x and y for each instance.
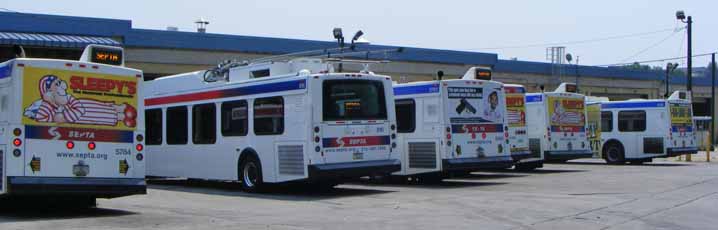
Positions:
(713, 107)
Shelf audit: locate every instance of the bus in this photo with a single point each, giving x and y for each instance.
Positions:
(639, 130)
(703, 127)
(71, 128)
(451, 126)
(557, 127)
(518, 139)
(271, 121)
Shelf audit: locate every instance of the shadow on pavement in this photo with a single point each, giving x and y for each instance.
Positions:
(657, 164)
(539, 171)
(289, 192)
(29, 210)
(451, 183)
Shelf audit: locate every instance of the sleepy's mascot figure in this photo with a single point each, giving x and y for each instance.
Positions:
(57, 106)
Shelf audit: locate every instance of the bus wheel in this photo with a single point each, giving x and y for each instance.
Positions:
(251, 174)
(613, 154)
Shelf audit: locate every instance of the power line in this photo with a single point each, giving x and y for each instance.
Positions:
(651, 46)
(578, 41)
(656, 60)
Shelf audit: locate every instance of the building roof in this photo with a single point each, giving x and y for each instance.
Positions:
(122, 31)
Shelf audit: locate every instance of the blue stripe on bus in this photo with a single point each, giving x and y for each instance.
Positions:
(416, 89)
(534, 98)
(628, 105)
(231, 92)
(5, 71)
(676, 128)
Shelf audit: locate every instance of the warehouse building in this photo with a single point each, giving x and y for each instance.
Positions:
(164, 52)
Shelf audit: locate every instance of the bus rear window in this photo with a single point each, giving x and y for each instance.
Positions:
(353, 100)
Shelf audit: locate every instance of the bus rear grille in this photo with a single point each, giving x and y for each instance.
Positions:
(653, 145)
(291, 159)
(422, 155)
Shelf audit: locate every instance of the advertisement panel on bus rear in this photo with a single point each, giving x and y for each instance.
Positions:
(566, 114)
(515, 110)
(64, 98)
(681, 113)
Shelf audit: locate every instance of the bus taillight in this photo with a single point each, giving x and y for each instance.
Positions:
(139, 147)
(17, 142)
(17, 132)
(70, 145)
(91, 145)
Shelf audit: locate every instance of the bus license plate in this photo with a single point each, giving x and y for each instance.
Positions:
(358, 156)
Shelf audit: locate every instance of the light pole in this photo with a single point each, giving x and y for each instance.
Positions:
(569, 58)
(669, 68)
(680, 15)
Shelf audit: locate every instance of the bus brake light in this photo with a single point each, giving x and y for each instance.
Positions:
(91, 145)
(70, 145)
(139, 147)
(17, 142)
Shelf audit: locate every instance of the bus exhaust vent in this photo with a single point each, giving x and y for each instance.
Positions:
(535, 147)
(422, 155)
(291, 159)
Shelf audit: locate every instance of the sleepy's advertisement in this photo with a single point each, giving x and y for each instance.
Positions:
(566, 114)
(64, 98)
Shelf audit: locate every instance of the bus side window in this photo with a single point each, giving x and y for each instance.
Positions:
(405, 115)
(632, 121)
(177, 125)
(269, 116)
(606, 121)
(234, 118)
(204, 124)
(153, 126)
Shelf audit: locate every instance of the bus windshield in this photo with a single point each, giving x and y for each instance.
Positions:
(353, 100)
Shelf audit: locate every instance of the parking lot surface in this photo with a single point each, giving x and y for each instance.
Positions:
(584, 195)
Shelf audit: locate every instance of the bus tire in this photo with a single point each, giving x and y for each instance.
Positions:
(250, 171)
(613, 153)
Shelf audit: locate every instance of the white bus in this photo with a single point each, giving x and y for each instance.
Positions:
(451, 125)
(556, 127)
(71, 128)
(640, 130)
(271, 122)
(516, 121)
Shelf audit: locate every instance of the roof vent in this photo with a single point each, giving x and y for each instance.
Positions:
(201, 25)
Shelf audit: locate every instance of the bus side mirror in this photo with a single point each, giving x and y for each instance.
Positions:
(440, 75)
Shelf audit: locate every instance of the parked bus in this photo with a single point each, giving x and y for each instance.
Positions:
(556, 127)
(640, 130)
(516, 121)
(271, 121)
(703, 127)
(451, 126)
(71, 128)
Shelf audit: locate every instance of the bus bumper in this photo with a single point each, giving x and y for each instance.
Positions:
(673, 152)
(517, 156)
(72, 186)
(477, 163)
(354, 169)
(567, 155)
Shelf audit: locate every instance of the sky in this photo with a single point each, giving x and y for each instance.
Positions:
(617, 31)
